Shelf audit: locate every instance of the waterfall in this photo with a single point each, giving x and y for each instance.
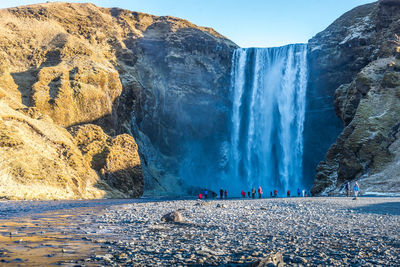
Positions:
(268, 94)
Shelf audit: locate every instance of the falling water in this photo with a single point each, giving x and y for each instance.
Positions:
(268, 98)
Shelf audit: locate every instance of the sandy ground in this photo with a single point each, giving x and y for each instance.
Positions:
(305, 231)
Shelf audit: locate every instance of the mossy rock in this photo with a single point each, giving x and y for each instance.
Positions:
(363, 83)
(391, 79)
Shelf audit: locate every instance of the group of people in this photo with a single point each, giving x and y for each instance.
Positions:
(356, 189)
(303, 193)
(274, 193)
(205, 194)
(222, 193)
(253, 193)
(300, 193)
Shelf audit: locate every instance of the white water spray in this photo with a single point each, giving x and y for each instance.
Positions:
(268, 98)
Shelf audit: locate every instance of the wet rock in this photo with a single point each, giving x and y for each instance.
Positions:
(174, 216)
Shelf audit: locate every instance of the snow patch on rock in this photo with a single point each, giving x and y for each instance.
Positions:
(359, 29)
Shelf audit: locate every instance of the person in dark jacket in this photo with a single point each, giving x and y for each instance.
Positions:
(221, 193)
(347, 187)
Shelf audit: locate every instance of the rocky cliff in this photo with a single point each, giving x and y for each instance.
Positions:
(72, 75)
(356, 60)
(180, 78)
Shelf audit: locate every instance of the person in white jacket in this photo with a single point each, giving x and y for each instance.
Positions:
(356, 189)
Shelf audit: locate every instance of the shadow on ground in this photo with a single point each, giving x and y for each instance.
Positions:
(391, 208)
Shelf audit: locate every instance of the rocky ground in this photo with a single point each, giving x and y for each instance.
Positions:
(295, 231)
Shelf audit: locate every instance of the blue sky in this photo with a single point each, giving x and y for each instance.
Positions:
(249, 23)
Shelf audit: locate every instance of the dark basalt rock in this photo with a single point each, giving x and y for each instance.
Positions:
(358, 54)
(389, 2)
(183, 79)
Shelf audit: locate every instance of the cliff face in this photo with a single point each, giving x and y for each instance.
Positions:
(89, 69)
(356, 60)
(183, 79)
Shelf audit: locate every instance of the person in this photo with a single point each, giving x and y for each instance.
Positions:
(226, 194)
(304, 192)
(205, 194)
(356, 189)
(221, 193)
(298, 192)
(243, 194)
(248, 194)
(270, 193)
(200, 196)
(253, 193)
(288, 193)
(347, 187)
(259, 192)
(275, 193)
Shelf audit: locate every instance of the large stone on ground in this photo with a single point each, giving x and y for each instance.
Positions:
(174, 216)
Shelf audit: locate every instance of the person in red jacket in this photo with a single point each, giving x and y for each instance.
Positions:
(226, 194)
(259, 192)
(288, 193)
(275, 193)
(243, 194)
(200, 196)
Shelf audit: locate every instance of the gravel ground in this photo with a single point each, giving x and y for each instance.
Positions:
(305, 231)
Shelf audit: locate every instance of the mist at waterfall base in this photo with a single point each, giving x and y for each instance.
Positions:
(264, 142)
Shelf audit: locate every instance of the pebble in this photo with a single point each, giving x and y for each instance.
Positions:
(304, 231)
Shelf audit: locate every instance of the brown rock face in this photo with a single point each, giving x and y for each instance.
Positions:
(39, 159)
(81, 65)
(115, 159)
(366, 55)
